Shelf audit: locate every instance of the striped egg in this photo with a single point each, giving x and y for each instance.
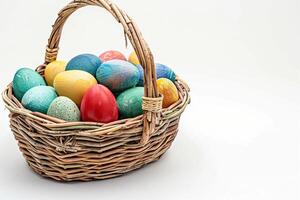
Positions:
(117, 75)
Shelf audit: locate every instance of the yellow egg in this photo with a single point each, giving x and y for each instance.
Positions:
(133, 58)
(52, 69)
(168, 90)
(73, 84)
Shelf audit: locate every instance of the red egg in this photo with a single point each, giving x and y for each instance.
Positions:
(99, 105)
(111, 55)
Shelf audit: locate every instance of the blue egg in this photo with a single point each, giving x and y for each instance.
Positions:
(163, 71)
(85, 62)
(39, 98)
(24, 80)
(141, 75)
(118, 75)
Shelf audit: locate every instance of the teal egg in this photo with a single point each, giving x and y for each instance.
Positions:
(85, 62)
(65, 109)
(24, 80)
(130, 102)
(117, 75)
(39, 98)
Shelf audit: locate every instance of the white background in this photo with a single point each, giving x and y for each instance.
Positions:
(238, 139)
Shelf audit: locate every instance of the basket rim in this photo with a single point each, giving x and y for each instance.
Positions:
(60, 127)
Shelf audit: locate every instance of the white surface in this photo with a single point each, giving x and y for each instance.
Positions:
(239, 139)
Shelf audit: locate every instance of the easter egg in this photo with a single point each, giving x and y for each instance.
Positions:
(168, 90)
(65, 109)
(117, 75)
(130, 102)
(73, 84)
(52, 69)
(141, 75)
(24, 80)
(133, 58)
(99, 105)
(84, 62)
(39, 98)
(111, 55)
(163, 71)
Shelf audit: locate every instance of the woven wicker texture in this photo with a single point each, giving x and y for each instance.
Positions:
(69, 151)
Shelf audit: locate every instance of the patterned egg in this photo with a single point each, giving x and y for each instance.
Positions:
(133, 58)
(24, 80)
(52, 69)
(117, 75)
(111, 55)
(84, 62)
(130, 102)
(163, 71)
(168, 90)
(39, 98)
(65, 109)
(99, 105)
(73, 84)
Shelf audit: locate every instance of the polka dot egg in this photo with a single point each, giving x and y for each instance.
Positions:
(65, 109)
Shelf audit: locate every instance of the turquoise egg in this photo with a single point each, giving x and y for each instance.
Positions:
(65, 109)
(39, 98)
(117, 75)
(85, 62)
(130, 102)
(24, 80)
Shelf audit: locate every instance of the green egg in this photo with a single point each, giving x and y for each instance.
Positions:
(130, 102)
(65, 109)
(24, 80)
(39, 98)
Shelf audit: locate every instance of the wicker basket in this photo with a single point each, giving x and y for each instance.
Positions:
(69, 151)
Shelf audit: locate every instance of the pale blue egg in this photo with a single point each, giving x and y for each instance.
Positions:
(39, 98)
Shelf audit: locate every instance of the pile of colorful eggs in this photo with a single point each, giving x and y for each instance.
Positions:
(90, 88)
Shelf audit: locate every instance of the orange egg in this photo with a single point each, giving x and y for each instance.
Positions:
(168, 90)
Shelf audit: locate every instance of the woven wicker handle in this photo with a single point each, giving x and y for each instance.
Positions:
(151, 101)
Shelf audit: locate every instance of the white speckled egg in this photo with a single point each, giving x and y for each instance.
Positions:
(65, 109)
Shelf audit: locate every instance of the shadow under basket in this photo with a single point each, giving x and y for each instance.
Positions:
(84, 151)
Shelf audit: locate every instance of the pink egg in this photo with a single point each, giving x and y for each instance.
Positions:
(112, 55)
